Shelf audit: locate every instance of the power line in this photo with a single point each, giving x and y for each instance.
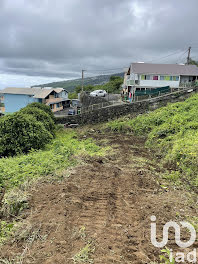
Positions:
(182, 56)
(107, 69)
(167, 56)
(122, 68)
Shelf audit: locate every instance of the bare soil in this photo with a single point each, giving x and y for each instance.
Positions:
(105, 204)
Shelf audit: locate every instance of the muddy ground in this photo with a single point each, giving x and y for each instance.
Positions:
(101, 212)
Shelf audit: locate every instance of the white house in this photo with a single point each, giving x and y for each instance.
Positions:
(148, 75)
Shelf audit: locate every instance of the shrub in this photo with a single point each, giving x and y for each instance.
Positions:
(43, 107)
(53, 160)
(118, 126)
(20, 133)
(41, 116)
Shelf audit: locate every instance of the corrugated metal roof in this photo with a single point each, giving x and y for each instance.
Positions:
(58, 90)
(43, 93)
(14, 90)
(169, 69)
(36, 92)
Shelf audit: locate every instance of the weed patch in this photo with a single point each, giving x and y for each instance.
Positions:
(57, 156)
(171, 131)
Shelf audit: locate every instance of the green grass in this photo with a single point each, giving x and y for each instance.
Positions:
(19, 172)
(172, 131)
(57, 156)
(5, 230)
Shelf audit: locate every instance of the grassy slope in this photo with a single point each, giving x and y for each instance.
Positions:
(18, 173)
(172, 132)
(58, 155)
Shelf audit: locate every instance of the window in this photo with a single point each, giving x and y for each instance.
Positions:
(175, 78)
(161, 77)
(145, 77)
(57, 105)
(155, 77)
(171, 78)
(52, 107)
(167, 78)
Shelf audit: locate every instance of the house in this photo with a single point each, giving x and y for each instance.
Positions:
(2, 108)
(143, 76)
(16, 98)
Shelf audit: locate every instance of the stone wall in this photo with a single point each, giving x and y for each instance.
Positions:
(113, 112)
(87, 100)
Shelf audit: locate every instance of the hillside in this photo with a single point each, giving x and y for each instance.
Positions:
(88, 197)
(71, 84)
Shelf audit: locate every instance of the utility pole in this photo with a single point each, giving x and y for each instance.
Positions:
(188, 58)
(83, 79)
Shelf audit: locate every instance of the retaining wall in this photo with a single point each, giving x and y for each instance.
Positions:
(113, 112)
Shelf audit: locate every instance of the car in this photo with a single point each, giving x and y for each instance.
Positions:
(71, 112)
(99, 93)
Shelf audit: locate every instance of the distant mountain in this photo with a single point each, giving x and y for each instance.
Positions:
(71, 84)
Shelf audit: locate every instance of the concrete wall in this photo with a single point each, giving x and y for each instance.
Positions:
(113, 112)
(14, 102)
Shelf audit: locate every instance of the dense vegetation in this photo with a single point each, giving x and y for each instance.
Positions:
(113, 86)
(43, 107)
(193, 62)
(50, 164)
(172, 132)
(40, 116)
(30, 128)
(51, 161)
(70, 85)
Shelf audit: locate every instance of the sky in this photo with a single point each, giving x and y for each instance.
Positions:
(42, 41)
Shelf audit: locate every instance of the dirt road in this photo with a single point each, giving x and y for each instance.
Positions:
(101, 213)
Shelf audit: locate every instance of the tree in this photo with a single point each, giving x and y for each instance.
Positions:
(193, 62)
(19, 133)
(113, 86)
(40, 116)
(87, 88)
(115, 78)
(43, 107)
(73, 95)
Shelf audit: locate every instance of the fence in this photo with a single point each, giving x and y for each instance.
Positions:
(157, 92)
(100, 105)
(153, 91)
(166, 91)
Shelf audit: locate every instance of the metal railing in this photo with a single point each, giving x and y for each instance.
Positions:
(139, 98)
(172, 91)
(120, 102)
(100, 105)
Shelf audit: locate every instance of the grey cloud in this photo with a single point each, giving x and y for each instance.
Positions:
(59, 38)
